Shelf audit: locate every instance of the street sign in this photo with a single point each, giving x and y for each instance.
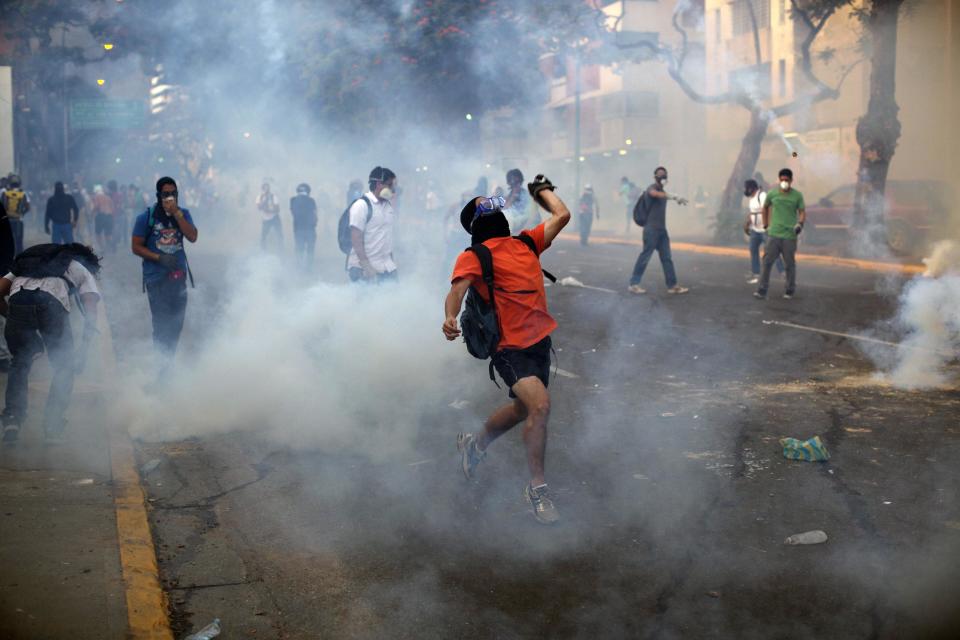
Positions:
(107, 114)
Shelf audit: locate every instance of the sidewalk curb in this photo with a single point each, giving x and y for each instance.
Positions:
(146, 602)
(812, 258)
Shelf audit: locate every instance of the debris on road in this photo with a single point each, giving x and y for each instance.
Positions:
(570, 281)
(713, 594)
(807, 537)
(812, 450)
(460, 404)
(640, 476)
(212, 630)
(566, 374)
(667, 414)
(80, 483)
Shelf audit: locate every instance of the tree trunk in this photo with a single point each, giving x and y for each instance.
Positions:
(878, 129)
(731, 214)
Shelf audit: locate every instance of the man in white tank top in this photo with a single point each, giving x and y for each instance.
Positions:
(753, 228)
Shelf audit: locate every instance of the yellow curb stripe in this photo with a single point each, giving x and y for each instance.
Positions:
(146, 601)
(812, 258)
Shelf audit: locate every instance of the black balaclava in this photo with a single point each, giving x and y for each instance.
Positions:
(485, 227)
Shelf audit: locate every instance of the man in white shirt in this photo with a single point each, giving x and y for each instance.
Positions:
(371, 231)
(37, 312)
(269, 208)
(754, 229)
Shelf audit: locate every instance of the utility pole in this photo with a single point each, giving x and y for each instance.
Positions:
(576, 123)
(63, 100)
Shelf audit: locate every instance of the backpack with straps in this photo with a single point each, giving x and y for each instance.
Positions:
(46, 261)
(478, 321)
(641, 210)
(343, 227)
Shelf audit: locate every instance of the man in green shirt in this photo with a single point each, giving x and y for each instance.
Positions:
(783, 215)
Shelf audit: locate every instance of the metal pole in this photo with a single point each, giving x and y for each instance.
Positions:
(576, 126)
(63, 100)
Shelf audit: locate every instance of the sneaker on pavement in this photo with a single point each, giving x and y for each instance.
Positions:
(470, 455)
(759, 296)
(543, 509)
(636, 289)
(788, 296)
(11, 432)
(753, 280)
(677, 289)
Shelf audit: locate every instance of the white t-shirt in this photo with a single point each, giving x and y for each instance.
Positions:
(76, 273)
(756, 212)
(377, 234)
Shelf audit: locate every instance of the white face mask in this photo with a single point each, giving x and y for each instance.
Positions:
(386, 193)
(784, 185)
(663, 180)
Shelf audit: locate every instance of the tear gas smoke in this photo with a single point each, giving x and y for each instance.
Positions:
(929, 315)
(336, 367)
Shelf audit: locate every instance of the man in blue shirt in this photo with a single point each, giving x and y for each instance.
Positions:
(158, 235)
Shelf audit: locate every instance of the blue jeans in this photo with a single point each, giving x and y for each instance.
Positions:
(16, 227)
(62, 233)
(758, 240)
(655, 240)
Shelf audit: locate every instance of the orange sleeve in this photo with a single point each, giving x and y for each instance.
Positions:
(539, 239)
(467, 266)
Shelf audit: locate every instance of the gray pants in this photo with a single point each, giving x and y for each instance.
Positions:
(775, 248)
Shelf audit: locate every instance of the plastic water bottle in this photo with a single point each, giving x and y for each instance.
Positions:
(210, 631)
(807, 537)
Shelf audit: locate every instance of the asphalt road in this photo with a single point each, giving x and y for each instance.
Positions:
(663, 459)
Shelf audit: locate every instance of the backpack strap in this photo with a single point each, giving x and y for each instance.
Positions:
(527, 240)
(486, 272)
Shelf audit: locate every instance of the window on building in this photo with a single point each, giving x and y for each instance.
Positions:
(741, 15)
(782, 79)
(783, 11)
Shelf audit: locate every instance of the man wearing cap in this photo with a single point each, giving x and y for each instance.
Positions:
(522, 356)
(371, 231)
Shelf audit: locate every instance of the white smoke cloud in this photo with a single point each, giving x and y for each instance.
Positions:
(929, 314)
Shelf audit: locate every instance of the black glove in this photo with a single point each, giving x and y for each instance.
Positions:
(539, 183)
(168, 262)
(797, 229)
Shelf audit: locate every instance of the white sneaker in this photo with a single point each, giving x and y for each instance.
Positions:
(636, 289)
(753, 280)
(677, 289)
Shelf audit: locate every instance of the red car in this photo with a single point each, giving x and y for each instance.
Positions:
(913, 209)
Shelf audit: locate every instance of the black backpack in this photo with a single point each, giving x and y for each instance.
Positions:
(641, 210)
(44, 261)
(478, 321)
(343, 227)
(47, 261)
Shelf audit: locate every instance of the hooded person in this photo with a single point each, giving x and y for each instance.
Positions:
(504, 272)
(303, 208)
(61, 215)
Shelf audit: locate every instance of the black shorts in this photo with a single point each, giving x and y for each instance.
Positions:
(516, 364)
(103, 224)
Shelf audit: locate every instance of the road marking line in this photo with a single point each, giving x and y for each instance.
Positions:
(813, 258)
(851, 336)
(146, 601)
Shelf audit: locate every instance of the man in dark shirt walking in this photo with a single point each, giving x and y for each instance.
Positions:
(62, 214)
(655, 237)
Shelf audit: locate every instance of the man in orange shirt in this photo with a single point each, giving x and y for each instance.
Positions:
(522, 357)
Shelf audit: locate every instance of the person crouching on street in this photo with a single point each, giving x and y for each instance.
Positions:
(39, 286)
